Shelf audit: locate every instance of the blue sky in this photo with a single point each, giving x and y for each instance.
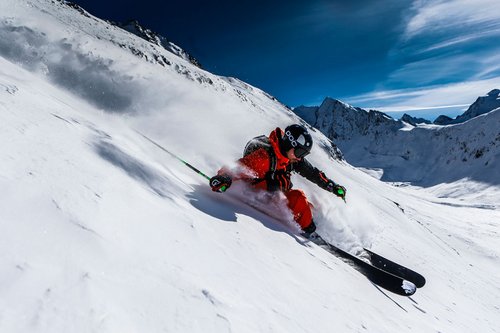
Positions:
(421, 57)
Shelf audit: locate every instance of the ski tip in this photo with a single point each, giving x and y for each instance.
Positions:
(408, 287)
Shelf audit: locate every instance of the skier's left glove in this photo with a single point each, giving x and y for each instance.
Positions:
(220, 183)
(336, 189)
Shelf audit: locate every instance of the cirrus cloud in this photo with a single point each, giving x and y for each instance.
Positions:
(447, 54)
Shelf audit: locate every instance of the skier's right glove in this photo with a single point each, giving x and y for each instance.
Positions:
(220, 183)
(336, 189)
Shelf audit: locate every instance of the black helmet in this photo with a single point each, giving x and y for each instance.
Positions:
(296, 136)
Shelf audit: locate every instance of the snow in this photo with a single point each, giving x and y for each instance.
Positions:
(103, 231)
(409, 287)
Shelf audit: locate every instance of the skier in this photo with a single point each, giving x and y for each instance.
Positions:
(267, 164)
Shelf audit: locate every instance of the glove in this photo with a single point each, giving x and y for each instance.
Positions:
(336, 189)
(220, 183)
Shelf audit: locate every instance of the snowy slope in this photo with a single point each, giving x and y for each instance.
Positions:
(104, 232)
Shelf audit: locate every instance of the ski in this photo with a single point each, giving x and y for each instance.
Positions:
(389, 266)
(381, 271)
(380, 277)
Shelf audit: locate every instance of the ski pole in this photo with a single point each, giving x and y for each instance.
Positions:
(179, 159)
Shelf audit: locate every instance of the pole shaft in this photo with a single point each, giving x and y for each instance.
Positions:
(175, 156)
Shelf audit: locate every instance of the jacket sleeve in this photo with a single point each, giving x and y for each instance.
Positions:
(313, 174)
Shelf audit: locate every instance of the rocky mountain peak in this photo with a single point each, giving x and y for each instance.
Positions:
(494, 93)
(413, 120)
(482, 105)
(134, 27)
(339, 120)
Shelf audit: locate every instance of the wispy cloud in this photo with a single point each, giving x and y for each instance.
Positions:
(447, 55)
(410, 108)
(455, 95)
(436, 16)
(464, 38)
(447, 32)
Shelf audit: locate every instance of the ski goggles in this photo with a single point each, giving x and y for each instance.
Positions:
(301, 152)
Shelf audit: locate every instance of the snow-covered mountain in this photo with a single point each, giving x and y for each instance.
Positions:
(341, 121)
(482, 105)
(413, 151)
(104, 232)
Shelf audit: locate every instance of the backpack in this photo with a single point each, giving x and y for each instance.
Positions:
(273, 177)
(258, 142)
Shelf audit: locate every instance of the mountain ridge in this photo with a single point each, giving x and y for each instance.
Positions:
(483, 104)
(133, 26)
(372, 139)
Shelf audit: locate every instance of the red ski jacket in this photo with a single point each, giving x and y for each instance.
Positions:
(268, 168)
